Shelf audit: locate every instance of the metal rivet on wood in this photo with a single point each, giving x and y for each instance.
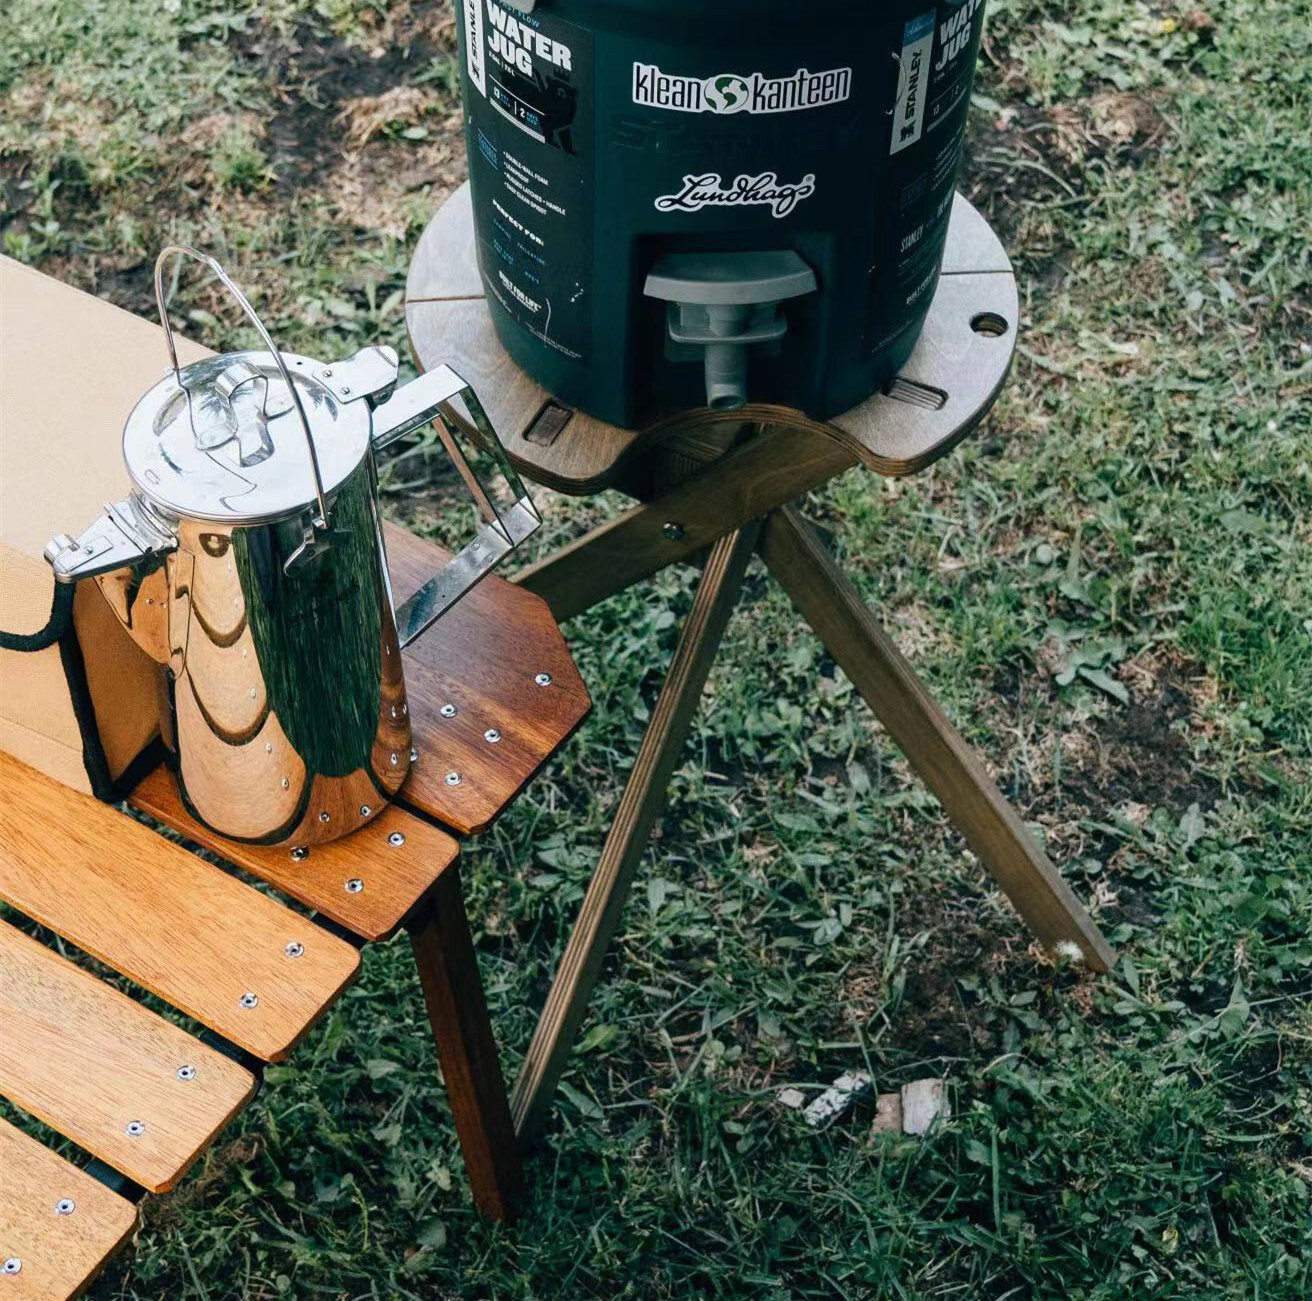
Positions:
(365, 811)
(414, 754)
(492, 736)
(249, 1000)
(135, 1128)
(452, 779)
(396, 839)
(448, 711)
(186, 1072)
(65, 1206)
(294, 949)
(299, 853)
(354, 885)
(12, 1265)
(543, 679)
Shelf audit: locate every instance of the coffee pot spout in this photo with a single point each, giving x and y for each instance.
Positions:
(125, 552)
(120, 538)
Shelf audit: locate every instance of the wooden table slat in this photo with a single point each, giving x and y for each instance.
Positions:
(393, 878)
(59, 1254)
(89, 1061)
(483, 656)
(175, 924)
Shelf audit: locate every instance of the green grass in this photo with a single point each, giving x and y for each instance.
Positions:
(1110, 588)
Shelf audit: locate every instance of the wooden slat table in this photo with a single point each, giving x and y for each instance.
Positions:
(144, 1096)
(723, 484)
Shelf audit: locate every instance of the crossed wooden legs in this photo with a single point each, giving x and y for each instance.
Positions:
(673, 527)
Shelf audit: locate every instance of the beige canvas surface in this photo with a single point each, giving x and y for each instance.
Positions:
(71, 368)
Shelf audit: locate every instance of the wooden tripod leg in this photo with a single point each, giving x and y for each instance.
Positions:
(457, 1009)
(643, 796)
(946, 764)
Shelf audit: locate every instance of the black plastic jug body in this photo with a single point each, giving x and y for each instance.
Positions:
(604, 135)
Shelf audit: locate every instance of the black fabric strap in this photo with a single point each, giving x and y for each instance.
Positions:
(61, 620)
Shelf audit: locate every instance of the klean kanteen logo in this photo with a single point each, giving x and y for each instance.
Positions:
(728, 92)
(710, 191)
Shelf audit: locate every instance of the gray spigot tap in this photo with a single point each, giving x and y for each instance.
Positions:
(723, 303)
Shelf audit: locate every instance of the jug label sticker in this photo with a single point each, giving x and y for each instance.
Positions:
(709, 190)
(730, 92)
(913, 73)
(528, 167)
(474, 44)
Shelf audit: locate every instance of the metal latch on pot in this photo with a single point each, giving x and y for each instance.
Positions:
(121, 536)
(723, 303)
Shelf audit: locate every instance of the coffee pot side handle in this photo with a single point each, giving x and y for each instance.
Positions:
(434, 395)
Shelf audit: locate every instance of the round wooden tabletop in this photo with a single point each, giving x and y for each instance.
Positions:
(945, 389)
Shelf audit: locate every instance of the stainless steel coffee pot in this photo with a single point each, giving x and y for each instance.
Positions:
(249, 560)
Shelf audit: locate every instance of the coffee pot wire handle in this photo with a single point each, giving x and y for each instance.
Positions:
(185, 251)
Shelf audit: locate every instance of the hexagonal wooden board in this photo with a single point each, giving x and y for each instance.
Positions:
(499, 659)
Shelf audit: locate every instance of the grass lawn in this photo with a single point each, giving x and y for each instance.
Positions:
(1110, 588)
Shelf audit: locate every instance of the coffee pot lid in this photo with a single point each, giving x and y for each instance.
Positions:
(245, 437)
(222, 439)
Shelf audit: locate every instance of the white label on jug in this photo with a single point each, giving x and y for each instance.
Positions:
(474, 53)
(709, 190)
(731, 92)
(913, 74)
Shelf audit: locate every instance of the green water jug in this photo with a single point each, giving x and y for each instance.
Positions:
(680, 203)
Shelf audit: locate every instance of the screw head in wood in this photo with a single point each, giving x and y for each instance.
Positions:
(452, 779)
(65, 1206)
(492, 736)
(414, 754)
(671, 530)
(366, 811)
(448, 711)
(294, 949)
(396, 839)
(286, 783)
(354, 885)
(12, 1265)
(393, 758)
(135, 1128)
(299, 853)
(186, 1073)
(325, 816)
(249, 1000)
(543, 679)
